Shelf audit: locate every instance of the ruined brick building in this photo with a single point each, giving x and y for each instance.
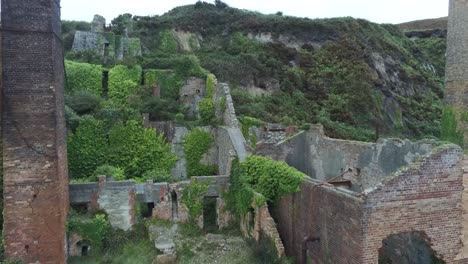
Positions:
(33, 132)
(359, 217)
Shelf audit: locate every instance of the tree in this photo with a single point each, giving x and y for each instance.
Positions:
(137, 150)
(87, 148)
(122, 24)
(220, 4)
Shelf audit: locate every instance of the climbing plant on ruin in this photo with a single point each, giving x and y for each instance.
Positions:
(192, 198)
(196, 144)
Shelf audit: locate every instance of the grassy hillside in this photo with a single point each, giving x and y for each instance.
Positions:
(349, 74)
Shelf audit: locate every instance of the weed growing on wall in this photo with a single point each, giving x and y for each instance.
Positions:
(196, 144)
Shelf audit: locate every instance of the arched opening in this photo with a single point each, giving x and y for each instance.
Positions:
(175, 209)
(408, 248)
(83, 247)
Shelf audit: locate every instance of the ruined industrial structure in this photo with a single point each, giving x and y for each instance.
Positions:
(394, 200)
(33, 132)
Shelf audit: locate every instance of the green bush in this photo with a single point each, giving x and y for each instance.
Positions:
(110, 171)
(157, 175)
(270, 178)
(72, 119)
(196, 144)
(93, 228)
(207, 111)
(167, 43)
(137, 150)
(83, 102)
(210, 83)
(83, 77)
(87, 148)
(123, 81)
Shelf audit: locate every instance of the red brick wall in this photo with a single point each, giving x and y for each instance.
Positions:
(321, 211)
(33, 132)
(425, 197)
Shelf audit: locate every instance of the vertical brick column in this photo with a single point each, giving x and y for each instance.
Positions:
(456, 90)
(33, 132)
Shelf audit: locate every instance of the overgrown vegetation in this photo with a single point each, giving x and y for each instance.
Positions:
(449, 128)
(111, 245)
(131, 147)
(271, 179)
(192, 198)
(197, 144)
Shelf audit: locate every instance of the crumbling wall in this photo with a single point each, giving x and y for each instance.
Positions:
(118, 200)
(364, 164)
(226, 151)
(349, 227)
(331, 215)
(33, 132)
(423, 197)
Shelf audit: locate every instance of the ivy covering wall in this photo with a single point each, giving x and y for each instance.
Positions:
(83, 77)
(196, 144)
(123, 81)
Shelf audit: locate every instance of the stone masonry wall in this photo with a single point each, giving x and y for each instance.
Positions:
(33, 132)
(424, 197)
(320, 211)
(118, 200)
(325, 158)
(456, 90)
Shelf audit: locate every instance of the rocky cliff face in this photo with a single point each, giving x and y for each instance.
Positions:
(349, 74)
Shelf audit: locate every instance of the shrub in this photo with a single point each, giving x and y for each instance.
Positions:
(94, 228)
(207, 111)
(87, 148)
(83, 102)
(157, 175)
(123, 81)
(270, 178)
(83, 77)
(137, 149)
(210, 83)
(110, 171)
